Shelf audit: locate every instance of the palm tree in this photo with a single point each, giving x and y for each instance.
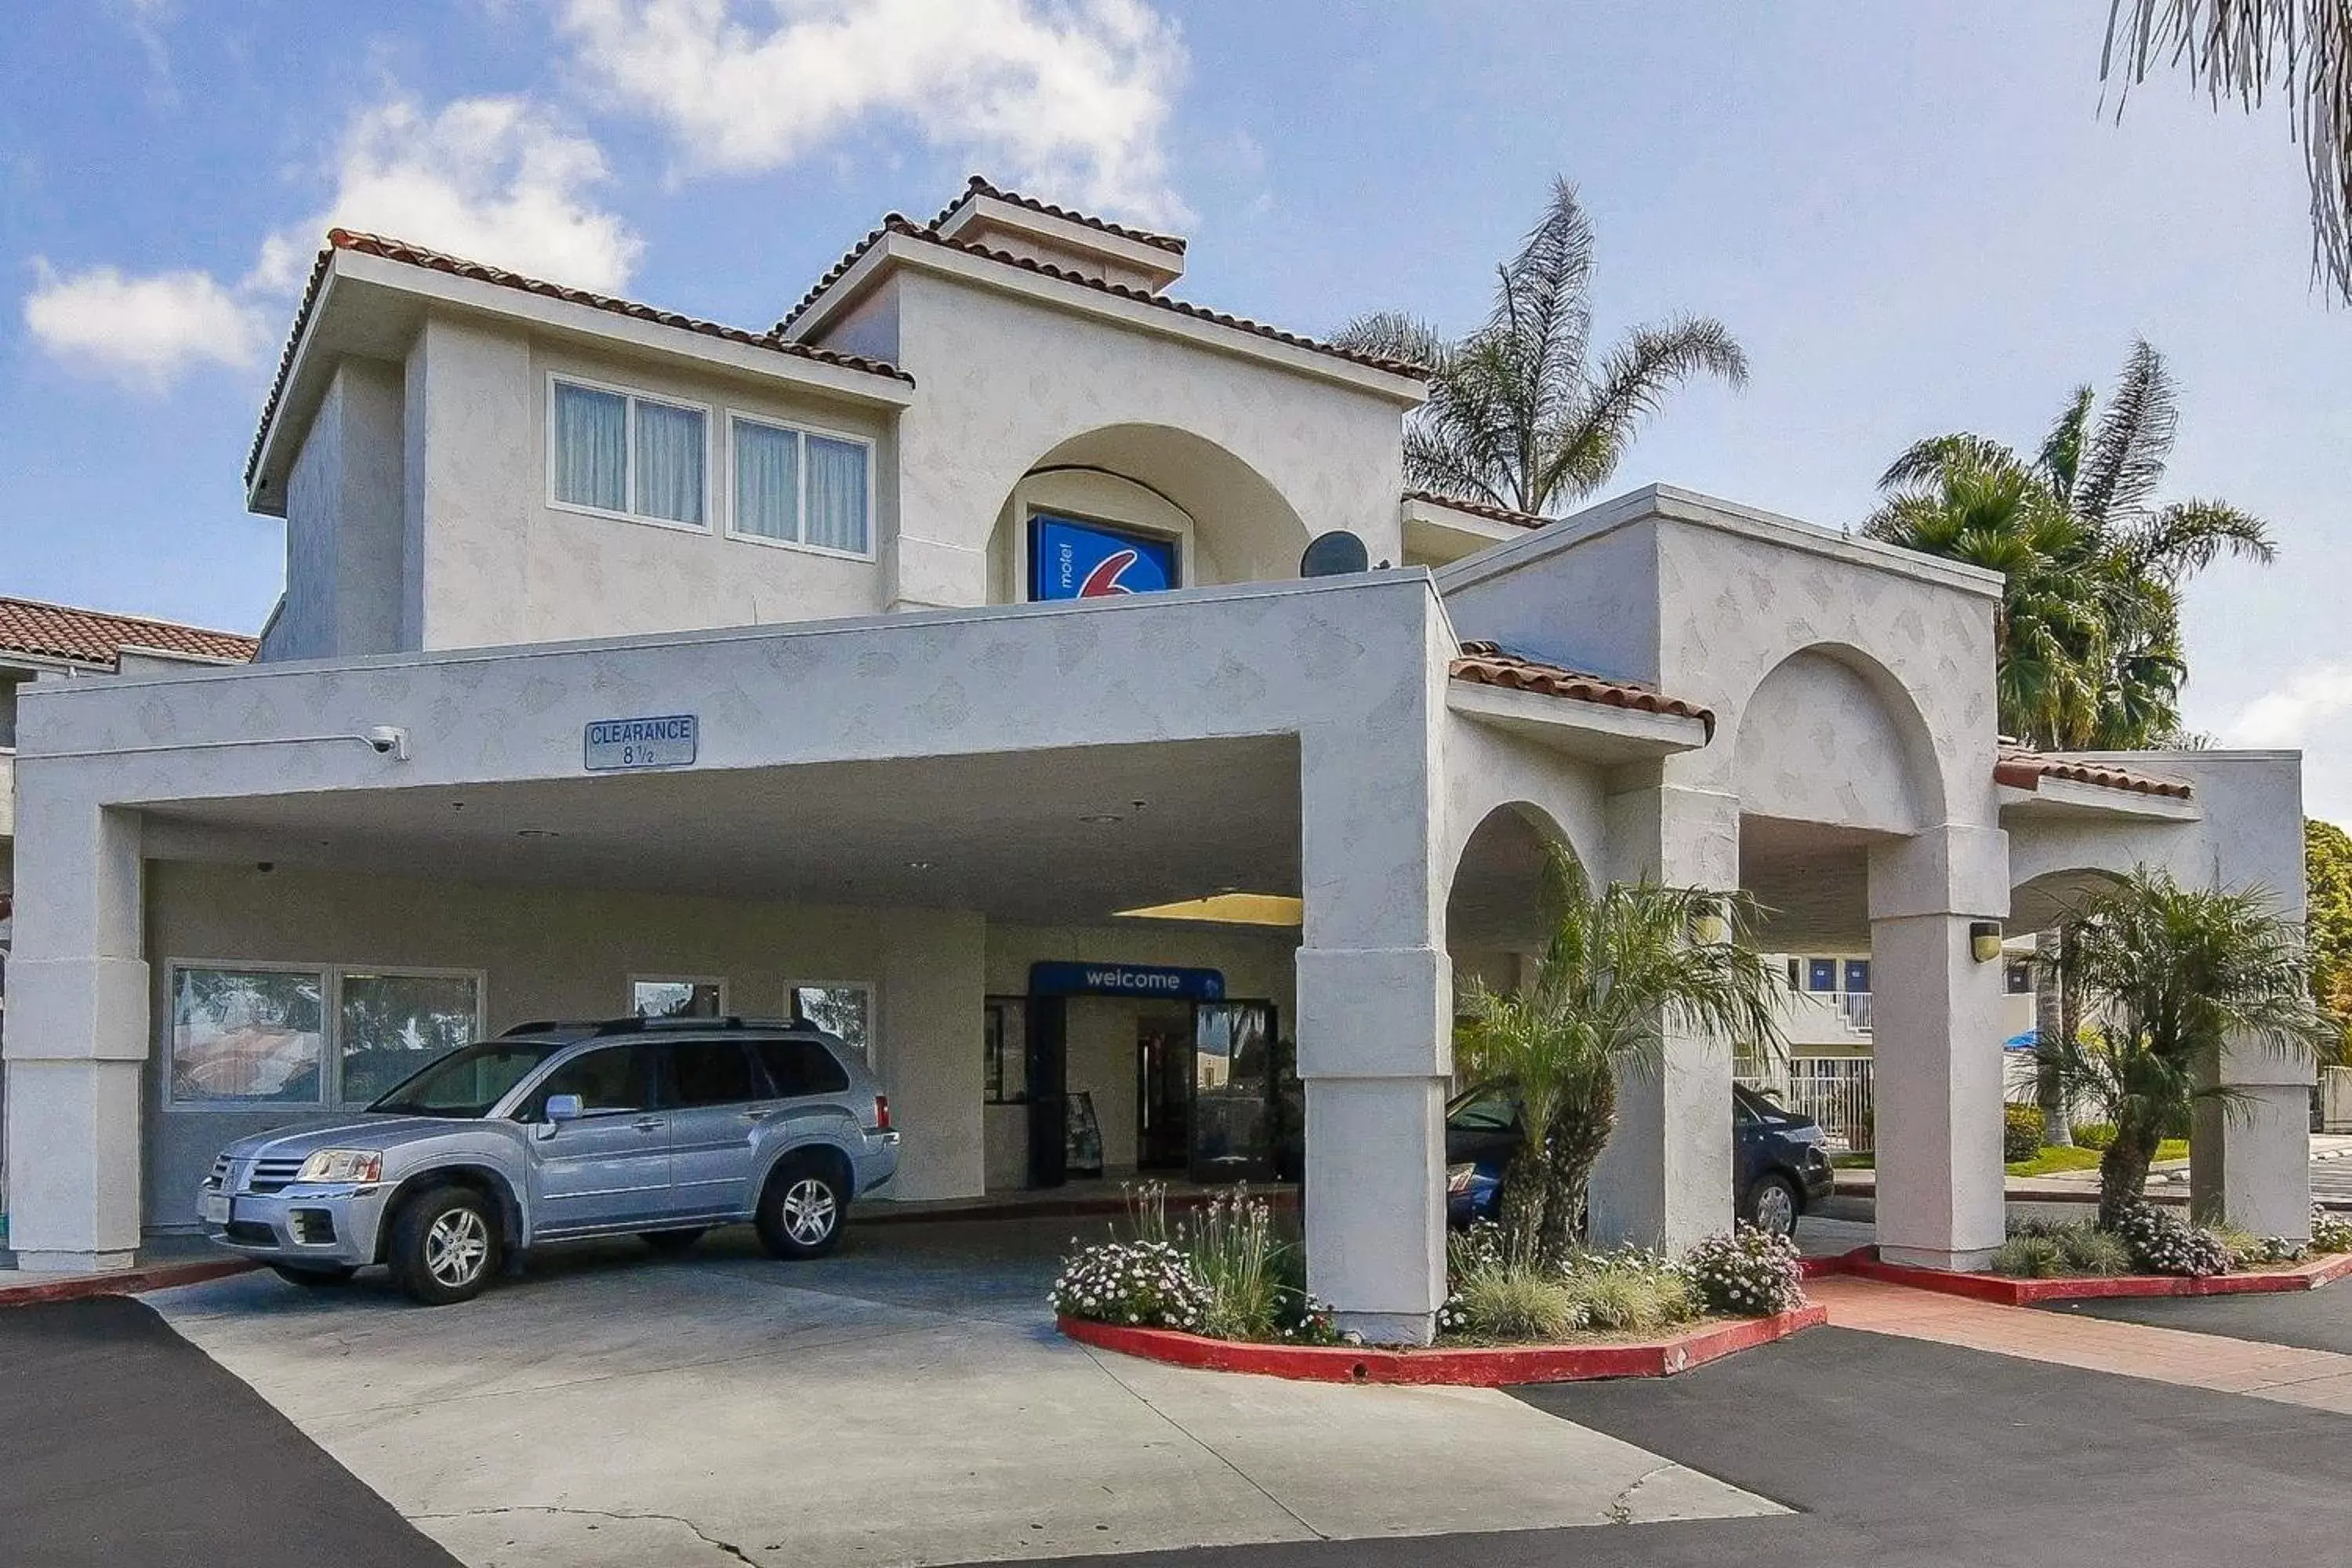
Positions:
(1620, 967)
(2243, 48)
(1518, 416)
(2172, 976)
(2089, 637)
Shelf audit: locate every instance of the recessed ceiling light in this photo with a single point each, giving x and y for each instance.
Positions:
(922, 865)
(537, 833)
(1100, 818)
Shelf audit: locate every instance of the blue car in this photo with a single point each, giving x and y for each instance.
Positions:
(1780, 1159)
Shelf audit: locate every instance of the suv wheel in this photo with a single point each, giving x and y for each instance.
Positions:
(445, 1245)
(801, 1210)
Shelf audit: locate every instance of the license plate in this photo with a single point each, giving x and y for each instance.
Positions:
(215, 1207)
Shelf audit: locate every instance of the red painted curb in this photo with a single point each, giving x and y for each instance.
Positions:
(127, 1282)
(2002, 1290)
(1483, 1366)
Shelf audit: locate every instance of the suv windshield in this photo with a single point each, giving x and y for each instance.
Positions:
(465, 1083)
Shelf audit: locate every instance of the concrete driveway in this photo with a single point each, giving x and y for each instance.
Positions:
(904, 1402)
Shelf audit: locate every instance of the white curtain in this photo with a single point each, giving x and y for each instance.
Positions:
(669, 462)
(837, 495)
(767, 480)
(591, 447)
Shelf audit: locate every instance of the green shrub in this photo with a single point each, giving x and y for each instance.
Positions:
(2021, 1132)
(2164, 1243)
(1751, 1272)
(2330, 1231)
(2090, 1250)
(1238, 1258)
(1630, 1291)
(1511, 1301)
(1147, 1284)
(2094, 1134)
(2029, 1257)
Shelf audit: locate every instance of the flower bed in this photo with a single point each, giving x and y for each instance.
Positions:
(1864, 1263)
(1474, 1366)
(1223, 1290)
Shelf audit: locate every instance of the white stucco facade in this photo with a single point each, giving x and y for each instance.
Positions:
(914, 776)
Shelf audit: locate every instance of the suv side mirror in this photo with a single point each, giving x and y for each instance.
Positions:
(563, 1107)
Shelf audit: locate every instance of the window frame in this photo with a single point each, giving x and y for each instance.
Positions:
(331, 1099)
(631, 396)
(1011, 1054)
(629, 1003)
(802, 430)
(793, 989)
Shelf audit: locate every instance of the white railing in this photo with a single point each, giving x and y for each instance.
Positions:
(1832, 1090)
(1855, 1006)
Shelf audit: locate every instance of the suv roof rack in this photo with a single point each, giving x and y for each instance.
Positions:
(549, 1026)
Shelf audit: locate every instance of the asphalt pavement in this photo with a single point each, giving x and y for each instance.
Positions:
(121, 1443)
(1905, 1454)
(2317, 1320)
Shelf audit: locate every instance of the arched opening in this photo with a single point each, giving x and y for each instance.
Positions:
(1494, 914)
(1188, 501)
(1830, 736)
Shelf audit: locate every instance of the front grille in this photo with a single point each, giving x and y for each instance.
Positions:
(272, 1175)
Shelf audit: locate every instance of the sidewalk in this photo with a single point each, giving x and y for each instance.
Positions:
(2321, 1380)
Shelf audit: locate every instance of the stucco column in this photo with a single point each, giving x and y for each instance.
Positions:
(1665, 1178)
(1375, 1033)
(1936, 1036)
(2252, 1164)
(76, 1033)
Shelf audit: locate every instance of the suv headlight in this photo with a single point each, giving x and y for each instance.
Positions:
(1457, 1177)
(343, 1165)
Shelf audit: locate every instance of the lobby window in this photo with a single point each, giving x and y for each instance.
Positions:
(1005, 1042)
(622, 455)
(2019, 974)
(258, 1035)
(843, 1008)
(685, 996)
(800, 487)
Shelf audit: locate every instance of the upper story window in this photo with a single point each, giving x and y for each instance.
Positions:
(801, 487)
(1071, 558)
(615, 452)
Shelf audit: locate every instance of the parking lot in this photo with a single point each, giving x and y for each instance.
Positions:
(906, 1400)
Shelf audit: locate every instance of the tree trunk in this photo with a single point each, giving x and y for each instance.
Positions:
(1579, 1133)
(1527, 1193)
(2123, 1169)
(2050, 1023)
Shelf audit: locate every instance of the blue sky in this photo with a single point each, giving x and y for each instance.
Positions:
(1916, 219)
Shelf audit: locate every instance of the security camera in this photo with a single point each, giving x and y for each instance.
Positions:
(389, 741)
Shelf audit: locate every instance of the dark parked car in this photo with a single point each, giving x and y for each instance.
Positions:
(1780, 1159)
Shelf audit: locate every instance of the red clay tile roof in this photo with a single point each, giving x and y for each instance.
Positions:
(1485, 663)
(437, 261)
(97, 637)
(2023, 769)
(978, 185)
(1481, 508)
(898, 224)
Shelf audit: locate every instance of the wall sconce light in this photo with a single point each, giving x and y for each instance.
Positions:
(1984, 940)
(1710, 927)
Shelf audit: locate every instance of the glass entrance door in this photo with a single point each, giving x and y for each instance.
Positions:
(1163, 1088)
(1233, 1091)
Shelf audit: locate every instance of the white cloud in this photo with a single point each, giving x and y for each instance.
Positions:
(141, 330)
(2287, 716)
(1071, 98)
(492, 179)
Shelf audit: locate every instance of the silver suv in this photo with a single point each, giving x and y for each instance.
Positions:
(552, 1132)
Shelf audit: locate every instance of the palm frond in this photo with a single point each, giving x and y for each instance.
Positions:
(2243, 50)
(1930, 458)
(1395, 334)
(1632, 383)
(2061, 458)
(2132, 444)
(2184, 538)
